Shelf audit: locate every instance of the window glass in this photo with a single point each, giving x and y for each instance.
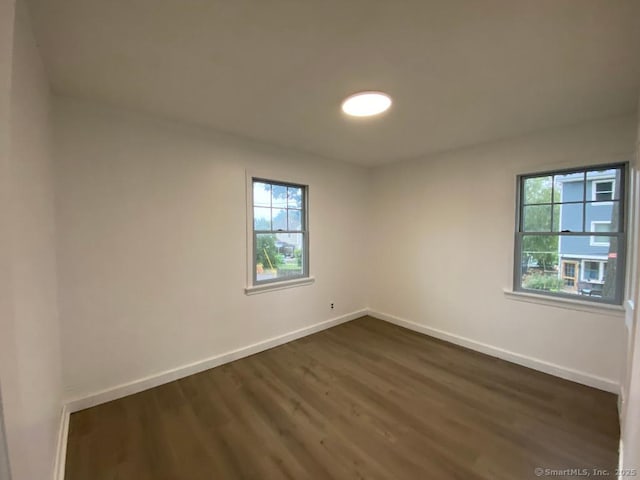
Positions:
(279, 237)
(570, 235)
(537, 190)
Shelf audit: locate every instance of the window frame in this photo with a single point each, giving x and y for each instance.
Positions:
(275, 283)
(621, 234)
(594, 192)
(601, 268)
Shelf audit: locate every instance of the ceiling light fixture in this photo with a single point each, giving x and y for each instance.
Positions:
(366, 104)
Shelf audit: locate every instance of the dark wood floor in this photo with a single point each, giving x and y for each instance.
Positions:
(362, 400)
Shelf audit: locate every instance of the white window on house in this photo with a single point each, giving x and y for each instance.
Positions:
(601, 227)
(280, 236)
(602, 190)
(593, 271)
(570, 236)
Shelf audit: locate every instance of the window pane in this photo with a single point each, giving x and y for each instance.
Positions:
(557, 263)
(261, 218)
(279, 256)
(294, 196)
(603, 185)
(536, 218)
(598, 277)
(279, 196)
(608, 212)
(603, 191)
(569, 247)
(537, 190)
(567, 217)
(261, 194)
(295, 219)
(555, 224)
(569, 187)
(600, 240)
(591, 271)
(540, 252)
(279, 218)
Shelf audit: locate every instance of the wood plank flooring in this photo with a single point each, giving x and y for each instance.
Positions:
(365, 399)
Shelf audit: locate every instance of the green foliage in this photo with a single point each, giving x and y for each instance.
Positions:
(541, 248)
(267, 243)
(290, 266)
(541, 281)
(297, 253)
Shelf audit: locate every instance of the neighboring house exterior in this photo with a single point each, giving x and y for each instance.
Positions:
(583, 259)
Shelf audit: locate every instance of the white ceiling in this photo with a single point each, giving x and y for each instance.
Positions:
(460, 71)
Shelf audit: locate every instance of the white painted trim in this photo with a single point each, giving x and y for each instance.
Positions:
(592, 239)
(269, 287)
(61, 451)
(517, 358)
(602, 180)
(622, 399)
(583, 268)
(580, 257)
(568, 303)
(167, 376)
(603, 176)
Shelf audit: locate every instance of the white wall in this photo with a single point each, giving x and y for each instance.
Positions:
(152, 251)
(630, 427)
(29, 335)
(443, 237)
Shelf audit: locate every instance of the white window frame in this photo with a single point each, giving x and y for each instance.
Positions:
(600, 271)
(594, 191)
(254, 287)
(592, 239)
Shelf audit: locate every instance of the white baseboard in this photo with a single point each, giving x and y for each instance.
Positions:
(61, 450)
(577, 376)
(167, 376)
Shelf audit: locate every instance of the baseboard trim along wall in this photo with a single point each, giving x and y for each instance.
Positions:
(61, 450)
(577, 376)
(167, 376)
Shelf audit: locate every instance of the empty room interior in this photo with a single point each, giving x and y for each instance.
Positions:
(319, 239)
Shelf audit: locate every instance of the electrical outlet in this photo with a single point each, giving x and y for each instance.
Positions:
(332, 306)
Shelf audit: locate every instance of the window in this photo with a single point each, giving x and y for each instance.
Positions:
(600, 240)
(602, 190)
(593, 271)
(280, 237)
(556, 251)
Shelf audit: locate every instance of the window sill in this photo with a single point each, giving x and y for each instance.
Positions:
(567, 303)
(268, 287)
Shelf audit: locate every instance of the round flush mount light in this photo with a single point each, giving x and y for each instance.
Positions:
(366, 104)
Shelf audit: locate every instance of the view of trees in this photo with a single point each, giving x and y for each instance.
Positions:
(278, 208)
(266, 246)
(543, 249)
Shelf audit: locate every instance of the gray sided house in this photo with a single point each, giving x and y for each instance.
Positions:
(583, 259)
